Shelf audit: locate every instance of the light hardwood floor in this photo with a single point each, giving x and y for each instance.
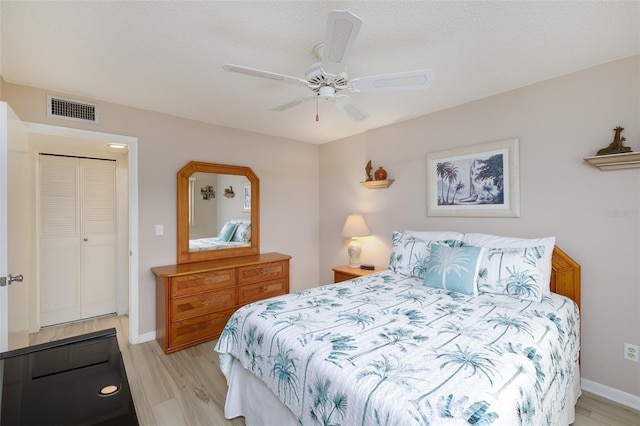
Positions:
(187, 387)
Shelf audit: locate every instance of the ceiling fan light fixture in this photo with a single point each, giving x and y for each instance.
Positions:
(327, 92)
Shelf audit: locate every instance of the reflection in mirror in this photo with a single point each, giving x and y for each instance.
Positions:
(213, 222)
(208, 213)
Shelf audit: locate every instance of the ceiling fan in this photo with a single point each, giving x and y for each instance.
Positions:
(327, 78)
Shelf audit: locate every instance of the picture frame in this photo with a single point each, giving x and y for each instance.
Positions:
(477, 181)
(246, 197)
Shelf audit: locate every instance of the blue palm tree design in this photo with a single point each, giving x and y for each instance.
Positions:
(408, 298)
(391, 321)
(464, 359)
(502, 320)
(272, 307)
(375, 288)
(362, 301)
(289, 321)
(446, 260)
(488, 303)
(478, 414)
(483, 275)
(284, 370)
(341, 346)
(229, 333)
(253, 341)
(557, 371)
(414, 317)
(532, 255)
(325, 405)
(521, 283)
(342, 291)
(386, 369)
(304, 381)
(458, 330)
(400, 337)
(527, 410)
(355, 318)
(449, 309)
(315, 304)
(420, 266)
(492, 252)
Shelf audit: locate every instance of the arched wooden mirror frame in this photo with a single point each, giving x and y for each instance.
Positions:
(186, 256)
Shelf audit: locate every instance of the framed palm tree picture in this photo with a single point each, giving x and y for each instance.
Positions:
(479, 181)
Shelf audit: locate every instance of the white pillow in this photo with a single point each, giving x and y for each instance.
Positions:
(410, 255)
(495, 241)
(514, 272)
(434, 235)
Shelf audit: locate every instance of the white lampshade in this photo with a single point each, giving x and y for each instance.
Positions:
(355, 226)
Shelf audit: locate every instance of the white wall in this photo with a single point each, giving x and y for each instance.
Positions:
(594, 215)
(288, 172)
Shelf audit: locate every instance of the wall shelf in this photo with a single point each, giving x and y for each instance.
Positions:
(377, 184)
(627, 160)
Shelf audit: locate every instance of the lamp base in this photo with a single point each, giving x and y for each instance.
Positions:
(354, 248)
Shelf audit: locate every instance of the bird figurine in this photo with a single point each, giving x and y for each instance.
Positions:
(368, 169)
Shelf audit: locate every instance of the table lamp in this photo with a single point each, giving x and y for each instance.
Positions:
(355, 227)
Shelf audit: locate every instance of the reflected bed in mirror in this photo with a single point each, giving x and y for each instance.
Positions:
(218, 212)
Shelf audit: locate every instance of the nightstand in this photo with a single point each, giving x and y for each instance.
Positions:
(344, 272)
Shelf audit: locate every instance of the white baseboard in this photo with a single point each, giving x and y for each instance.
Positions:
(611, 394)
(146, 337)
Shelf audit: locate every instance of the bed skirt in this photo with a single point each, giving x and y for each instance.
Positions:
(249, 397)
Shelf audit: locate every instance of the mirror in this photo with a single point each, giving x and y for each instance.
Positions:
(218, 212)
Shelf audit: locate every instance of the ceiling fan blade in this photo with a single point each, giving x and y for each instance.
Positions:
(352, 109)
(265, 74)
(294, 102)
(342, 30)
(418, 79)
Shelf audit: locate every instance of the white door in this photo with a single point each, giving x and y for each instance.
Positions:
(15, 238)
(77, 238)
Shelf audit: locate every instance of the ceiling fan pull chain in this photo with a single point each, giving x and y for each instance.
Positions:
(317, 117)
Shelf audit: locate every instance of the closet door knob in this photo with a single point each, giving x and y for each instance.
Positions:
(86, 239)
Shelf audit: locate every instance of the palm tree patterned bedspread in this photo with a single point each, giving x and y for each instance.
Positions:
(386, 350)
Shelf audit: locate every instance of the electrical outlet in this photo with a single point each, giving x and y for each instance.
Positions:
(159, 229)
(631, 352)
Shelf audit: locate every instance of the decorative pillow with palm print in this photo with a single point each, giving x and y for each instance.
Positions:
(516, 272)
(409, 255)
(497, 241)
(454, 268)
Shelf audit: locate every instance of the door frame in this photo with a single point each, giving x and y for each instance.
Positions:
(132, 165)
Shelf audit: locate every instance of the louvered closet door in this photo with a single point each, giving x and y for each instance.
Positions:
(77, 239)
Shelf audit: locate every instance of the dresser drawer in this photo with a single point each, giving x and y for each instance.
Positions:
(205, 281)
(199, 329)
(262, 272)
(204, 303)
(263, 290)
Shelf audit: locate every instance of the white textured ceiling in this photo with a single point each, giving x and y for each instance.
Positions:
(168, 56)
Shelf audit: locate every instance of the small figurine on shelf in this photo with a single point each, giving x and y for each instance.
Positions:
(615, 147)
(380, 174)
(368, 170)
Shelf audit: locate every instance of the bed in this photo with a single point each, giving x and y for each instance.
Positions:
(234, 233)
(214, 243)
(410, 345)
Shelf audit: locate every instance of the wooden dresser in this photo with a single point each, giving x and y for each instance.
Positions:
(194, 301)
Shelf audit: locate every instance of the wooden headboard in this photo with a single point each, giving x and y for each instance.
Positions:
(565, 276)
